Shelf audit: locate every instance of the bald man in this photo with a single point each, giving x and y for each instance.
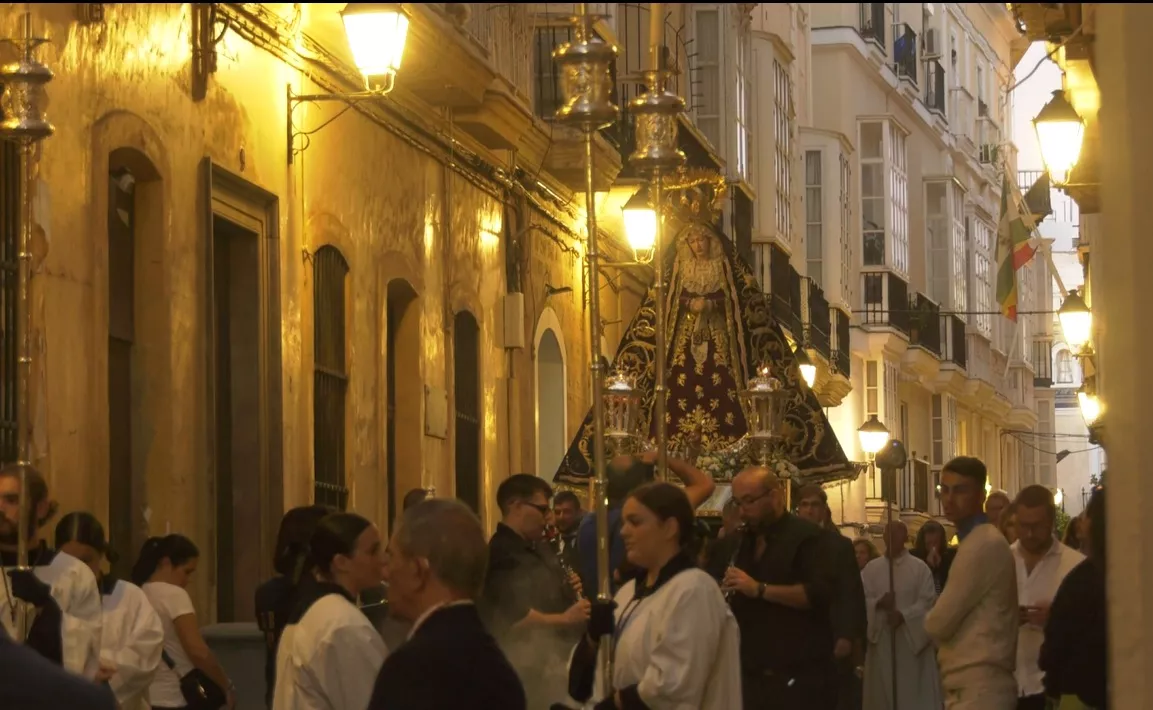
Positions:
(897, 615)
(780, 589)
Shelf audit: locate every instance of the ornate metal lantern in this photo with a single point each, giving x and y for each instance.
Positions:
(765, 401)
(586, 80)
(622, 409)
(24, 100)
(656, 113)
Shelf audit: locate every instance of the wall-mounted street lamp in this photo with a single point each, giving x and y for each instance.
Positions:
(807, 368)
(640, 218)
(1060, 131)
(1088, 401)
(1076, 321)
(873, 435)
(376, 32)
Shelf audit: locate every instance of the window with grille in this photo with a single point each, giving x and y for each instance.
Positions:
(983, 276)
(330, 377)
(873, 212)
(708, 92)
(846, 197)
(814, 222)
(547, 96)
(898, 200)
(783, 159)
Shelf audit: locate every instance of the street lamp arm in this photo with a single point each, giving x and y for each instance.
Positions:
(350, 99)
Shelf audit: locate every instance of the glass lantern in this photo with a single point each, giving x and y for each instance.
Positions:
(622, 409)
(765, 401)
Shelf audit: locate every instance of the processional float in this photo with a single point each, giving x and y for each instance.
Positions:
(24, 122)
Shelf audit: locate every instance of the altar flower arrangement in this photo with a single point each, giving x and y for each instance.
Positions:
(782, 467)
(723, 464)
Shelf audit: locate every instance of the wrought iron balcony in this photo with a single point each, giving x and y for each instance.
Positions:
(1043, 362)
(905, 52)
(953, 348)
(917, 486)
(785, 291)
(872, 23)
(818, 333)
(925, 324)
(885, 300)
(935, 87)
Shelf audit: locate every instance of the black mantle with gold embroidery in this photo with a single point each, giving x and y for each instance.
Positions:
(754, 341)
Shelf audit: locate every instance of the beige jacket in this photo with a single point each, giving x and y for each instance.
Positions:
(974, 622)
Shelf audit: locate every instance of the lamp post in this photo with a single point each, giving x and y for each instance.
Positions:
(587, 86)
(890, 457)
(1060, 131)
(1076, 321)
(655, 114)
(376, 32)
(25, 122)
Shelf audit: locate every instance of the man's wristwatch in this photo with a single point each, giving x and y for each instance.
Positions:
(761, 590)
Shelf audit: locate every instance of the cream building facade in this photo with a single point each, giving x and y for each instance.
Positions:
(911, 129)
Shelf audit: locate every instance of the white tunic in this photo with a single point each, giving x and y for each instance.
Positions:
(918, 681)
(132, 641)
(75, 591)
(329, 659)
(680, 646)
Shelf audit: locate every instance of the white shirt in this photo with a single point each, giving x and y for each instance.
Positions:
(975, 620)
(170, 603)
(132, 640)
(329, 659)
(1034, 588)
(76, 592)
(680, 645)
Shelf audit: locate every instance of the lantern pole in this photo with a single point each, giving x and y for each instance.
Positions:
(656, 112)
(24, 101)
(586, 82)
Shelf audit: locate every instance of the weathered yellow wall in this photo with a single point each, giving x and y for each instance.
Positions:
(358, 186)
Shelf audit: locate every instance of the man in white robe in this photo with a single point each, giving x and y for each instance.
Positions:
(61, 592)
(899, 616)
(133, 637)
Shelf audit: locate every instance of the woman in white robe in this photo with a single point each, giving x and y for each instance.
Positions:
(901, 617)
(329, 653)
(677, 645)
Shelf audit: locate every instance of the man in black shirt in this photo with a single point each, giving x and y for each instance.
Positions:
(780, 594)
(530, 606)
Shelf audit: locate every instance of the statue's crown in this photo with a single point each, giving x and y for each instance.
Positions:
(696, 195)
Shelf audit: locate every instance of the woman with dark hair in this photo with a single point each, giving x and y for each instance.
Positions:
(276, 598)
(932, 548)
(676, 643)
(329, 652)
(163, 570)
(1074, 655)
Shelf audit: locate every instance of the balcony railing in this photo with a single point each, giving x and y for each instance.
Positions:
(988, 143)
(885, 300)
(872, 23)
(905, 52)
(820, 323)
(917, 486)
(953, 349)
(505, 32)
(842, 355)
(1043, 362)
(785, 291)
(925, 324)
(935, 87)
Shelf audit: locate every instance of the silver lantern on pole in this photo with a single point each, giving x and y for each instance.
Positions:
(765, 402)
(586, 65)
(24, 121)
(655, 115)
(622, 410)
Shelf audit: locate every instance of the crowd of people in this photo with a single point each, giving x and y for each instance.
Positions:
(777, 610)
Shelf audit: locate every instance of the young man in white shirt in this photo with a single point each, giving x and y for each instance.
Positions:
(1042, 563)
(974, 622)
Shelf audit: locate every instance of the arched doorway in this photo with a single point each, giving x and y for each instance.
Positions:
(466, 387)
(551, 405)
(404, 428)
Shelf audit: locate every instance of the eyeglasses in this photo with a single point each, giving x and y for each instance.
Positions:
(544, 509)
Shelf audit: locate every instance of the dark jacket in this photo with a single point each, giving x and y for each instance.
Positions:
(848, 604)
(1075, 652)
(28, 681)
(450, 662)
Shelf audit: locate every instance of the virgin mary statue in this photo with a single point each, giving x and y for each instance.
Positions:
(719, 332)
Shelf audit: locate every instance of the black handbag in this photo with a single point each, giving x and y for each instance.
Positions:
(199, 691)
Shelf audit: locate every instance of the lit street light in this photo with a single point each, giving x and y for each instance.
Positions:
(873, 435)
(376, 35)
(640, 219)
(806, 366)
(1060, 131)
(1076, 321)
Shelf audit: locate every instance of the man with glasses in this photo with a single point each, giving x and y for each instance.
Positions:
(1042, 563)
(975, 620)
(780, 589)
(529, 604)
